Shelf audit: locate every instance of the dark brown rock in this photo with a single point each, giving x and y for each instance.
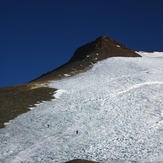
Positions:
(105, 47)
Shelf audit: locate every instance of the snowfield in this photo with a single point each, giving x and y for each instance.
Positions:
(117, 108)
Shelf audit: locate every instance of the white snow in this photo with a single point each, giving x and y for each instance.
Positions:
(118, 46)
(116, 106)
(162, 113)
(7, 123)
(67, 75)
(150, 54)
(58, 93)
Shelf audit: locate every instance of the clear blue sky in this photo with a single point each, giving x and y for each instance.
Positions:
(39, 35)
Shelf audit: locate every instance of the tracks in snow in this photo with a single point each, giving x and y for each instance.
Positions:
(136, 86)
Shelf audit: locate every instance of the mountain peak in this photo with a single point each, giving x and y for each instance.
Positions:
(85, 56)
(103, 38)
(104, 47)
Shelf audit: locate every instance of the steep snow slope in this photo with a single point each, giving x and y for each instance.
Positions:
(116, 107)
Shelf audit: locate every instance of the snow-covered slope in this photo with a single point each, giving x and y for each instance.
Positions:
(116, 107)
(151, 54)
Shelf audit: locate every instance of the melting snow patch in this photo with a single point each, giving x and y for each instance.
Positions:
(59, 93)
(31, 108)
(67, 75)
(36, 105)
(6, 123)
(118, 46)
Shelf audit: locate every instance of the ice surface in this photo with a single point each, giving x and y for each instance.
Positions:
(116, 106)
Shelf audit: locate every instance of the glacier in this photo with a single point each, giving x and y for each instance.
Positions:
(116, 107)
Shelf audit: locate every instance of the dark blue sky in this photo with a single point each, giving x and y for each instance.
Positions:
(39, 35)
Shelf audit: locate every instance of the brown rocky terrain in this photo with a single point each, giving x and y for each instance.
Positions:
(86, 55)
(15, 100)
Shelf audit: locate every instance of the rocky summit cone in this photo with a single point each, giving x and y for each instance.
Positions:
(103, 47)
(85, 56)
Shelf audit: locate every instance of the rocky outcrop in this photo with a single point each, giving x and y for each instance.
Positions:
(102, 48)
